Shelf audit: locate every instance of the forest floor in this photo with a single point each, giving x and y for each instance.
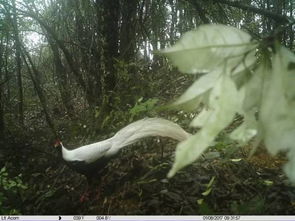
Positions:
(223, 181)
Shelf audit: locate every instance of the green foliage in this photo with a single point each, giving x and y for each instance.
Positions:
(254, 206)
(211, 45)
(204, 208)
(10, 188)
(209, 187)
(142, 107)
(225, 55)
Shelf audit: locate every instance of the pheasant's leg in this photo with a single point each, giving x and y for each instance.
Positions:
(99, 189)
(87, 192)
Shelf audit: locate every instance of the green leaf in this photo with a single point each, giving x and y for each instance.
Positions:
(201, 119)
(243, 62)
(253, 89)
(207, 192)
(200, 201)
(211, 182)
(206, 48)
(2, 171)
(277, 119)
(278, 103)
(247, 130)
(223, 102)
(190, 105)
(268, 182)
(199, 87)
(141, 106)
(236, 160)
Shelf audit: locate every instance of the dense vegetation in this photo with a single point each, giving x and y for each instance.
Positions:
(80, 70)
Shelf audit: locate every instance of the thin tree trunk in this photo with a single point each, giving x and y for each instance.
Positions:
(173, 22)
(291, 29)
(90, 59)
(75, 70)
(18, 65)
(35, 77)
(201, 12)
(111, 34)
(6, 72)
(127, 31)
(2, 123)
(62, 81)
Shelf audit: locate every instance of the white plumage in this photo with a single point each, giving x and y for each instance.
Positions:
(130, 134)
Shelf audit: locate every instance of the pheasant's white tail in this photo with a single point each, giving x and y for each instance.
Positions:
(145, 128)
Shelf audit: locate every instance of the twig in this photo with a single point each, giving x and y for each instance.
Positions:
(271, 15)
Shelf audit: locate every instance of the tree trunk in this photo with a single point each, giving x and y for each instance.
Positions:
(173, 22)
(61, 77)
(291, 30)
(127, 30)
(2, 123)
(89, 55)
(72, 64)
(201, 12)
(18, 65)
(35, 77)
(110, 33)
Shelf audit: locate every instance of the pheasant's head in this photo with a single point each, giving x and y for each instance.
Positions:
(57, 143)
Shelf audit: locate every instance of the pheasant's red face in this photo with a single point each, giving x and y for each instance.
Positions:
(57, 143)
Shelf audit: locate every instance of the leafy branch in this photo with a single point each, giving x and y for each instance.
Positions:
(220, 95)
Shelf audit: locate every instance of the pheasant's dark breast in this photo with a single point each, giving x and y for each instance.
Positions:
(89, 169)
